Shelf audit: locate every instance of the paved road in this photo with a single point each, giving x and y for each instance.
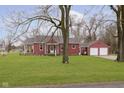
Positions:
(89, 85)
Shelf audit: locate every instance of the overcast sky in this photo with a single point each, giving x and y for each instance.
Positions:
(78, 9)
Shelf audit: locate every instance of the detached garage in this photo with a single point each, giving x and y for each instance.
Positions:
(97, 48)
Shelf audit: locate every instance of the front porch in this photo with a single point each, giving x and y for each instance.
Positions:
(52, 49)
(41, 49)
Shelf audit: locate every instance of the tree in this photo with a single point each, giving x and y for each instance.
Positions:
(55, 23)
(62, 24)
(77, 28)
(109, 36)
(87, 26)
(65, 10)
(11, 22)
(119, 11)
(93, 25)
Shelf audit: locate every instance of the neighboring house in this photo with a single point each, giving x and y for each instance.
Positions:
(97, 47)
(44, 45)
(2, 46)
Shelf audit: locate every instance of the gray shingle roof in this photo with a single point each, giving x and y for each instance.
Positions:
(85, 44)
(39, 39)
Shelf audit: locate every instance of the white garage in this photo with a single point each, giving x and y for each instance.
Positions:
(103, 51)
(93, 51)
(96, 48)
(99, 51)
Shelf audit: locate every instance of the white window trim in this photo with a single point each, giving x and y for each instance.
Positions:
(73, 47)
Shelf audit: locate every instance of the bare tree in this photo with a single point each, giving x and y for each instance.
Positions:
(109, 36)
(65, 10)
(11, 24)
(119, 11)
(93, 25)
(77, 28)
(46, 15)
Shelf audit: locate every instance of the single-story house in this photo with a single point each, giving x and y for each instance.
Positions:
(45, 45)
(2, 46)
(97, 47)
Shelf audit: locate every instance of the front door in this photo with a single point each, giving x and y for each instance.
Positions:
(51, 49)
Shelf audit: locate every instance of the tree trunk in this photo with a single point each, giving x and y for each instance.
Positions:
(65, 49)
(121, 41)
(65, 9)
(120, 28)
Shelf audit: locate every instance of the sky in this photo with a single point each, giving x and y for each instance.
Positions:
(6, 10)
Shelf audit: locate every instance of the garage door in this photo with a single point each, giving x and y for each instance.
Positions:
(93, 51)
(103, 51)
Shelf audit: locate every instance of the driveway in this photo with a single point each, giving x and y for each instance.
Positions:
(111, 57)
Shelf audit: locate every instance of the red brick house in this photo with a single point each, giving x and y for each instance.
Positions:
(44, 45)
(97, 47)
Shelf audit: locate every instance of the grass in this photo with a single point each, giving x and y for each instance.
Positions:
(18, 70)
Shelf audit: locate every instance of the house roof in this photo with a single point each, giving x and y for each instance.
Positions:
(85, 44)
(55, 39)
(99, 43)
(93, 43)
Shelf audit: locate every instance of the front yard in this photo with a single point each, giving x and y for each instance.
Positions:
(18, 70)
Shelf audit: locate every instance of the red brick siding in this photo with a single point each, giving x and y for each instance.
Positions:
(57, 49)
(37, 50)
(71, 51)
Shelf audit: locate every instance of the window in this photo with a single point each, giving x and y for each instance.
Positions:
(41, 47)
(61, 47)
(73, 46)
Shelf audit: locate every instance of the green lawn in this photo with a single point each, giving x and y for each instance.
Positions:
(39, 70)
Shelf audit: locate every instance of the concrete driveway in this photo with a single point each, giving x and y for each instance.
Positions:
(111, 57)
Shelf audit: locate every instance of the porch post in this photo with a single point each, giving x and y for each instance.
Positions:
(25, 49)
(79, 50)
(55, 50)
(45, 47)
